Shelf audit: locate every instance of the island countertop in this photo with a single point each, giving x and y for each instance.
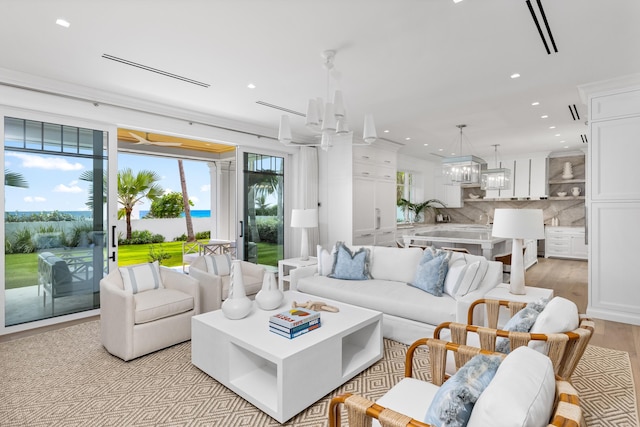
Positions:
(468, 235)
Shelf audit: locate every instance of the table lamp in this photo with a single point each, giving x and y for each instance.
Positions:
(305, 219)
(518, 224)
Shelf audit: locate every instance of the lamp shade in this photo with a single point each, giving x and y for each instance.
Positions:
(313, 118)
(304, 218)
(518, 223)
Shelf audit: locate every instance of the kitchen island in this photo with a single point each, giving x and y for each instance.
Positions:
(477, 239)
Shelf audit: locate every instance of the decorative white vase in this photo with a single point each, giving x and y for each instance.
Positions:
(237, 305)
(269, 297)
(567, 172)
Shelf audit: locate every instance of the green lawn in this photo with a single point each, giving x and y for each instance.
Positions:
(22, 269)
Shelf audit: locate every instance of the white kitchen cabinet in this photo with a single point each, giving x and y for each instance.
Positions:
(530, 253)
(565, 242)
(613, 199)
(530, 177)
(374, 196)
(450, 195)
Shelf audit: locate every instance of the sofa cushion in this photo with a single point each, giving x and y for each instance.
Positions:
(350, 265)
(397, 264)
(325, 260)
(522, 393)
(141, 277)
(220, 265)
(59, 270)
(389, 297)
(453, 403)
(520, 322)
(410, 397)
(160, 303)
(455, 274)
(430, 275)
(559, 315)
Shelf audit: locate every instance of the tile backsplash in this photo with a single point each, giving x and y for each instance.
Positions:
(570, 212)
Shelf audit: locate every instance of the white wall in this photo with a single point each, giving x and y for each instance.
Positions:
(170, 228)
(424, 172)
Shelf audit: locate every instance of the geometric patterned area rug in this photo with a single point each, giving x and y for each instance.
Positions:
(66, 378)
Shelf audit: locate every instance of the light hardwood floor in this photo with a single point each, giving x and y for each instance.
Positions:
(567, 278)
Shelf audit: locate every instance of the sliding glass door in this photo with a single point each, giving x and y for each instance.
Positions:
(55, 227)
(262, 226)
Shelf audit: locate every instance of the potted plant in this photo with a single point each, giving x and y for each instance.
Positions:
(417, 208)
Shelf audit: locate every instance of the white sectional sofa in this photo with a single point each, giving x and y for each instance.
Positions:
(409, 313)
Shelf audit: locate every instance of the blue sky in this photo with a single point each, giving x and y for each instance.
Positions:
(54, 184)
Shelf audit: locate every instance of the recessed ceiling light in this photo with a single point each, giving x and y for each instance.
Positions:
(566, 146)
(440, 149)
(544, 117)
(453, 154)
(407, 139)
(557, 134)
(535, 103)
(563, 141)
(251, 86)
(425, 145)
(386, 131)
(63, 22)
(552, 127)
(515, 75)
(457, 1)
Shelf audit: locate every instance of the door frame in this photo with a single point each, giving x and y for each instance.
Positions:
(112, 203)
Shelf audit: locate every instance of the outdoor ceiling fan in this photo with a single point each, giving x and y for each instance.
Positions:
(143, 141)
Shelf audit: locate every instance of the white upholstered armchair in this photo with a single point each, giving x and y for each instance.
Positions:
(212, 272)
(145, 308)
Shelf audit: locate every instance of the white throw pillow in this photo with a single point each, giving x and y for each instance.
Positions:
(325, 261)
(467, 281)
(559, 315)
(522, 393)
(141, 277)
(455, 275)
(220, 265)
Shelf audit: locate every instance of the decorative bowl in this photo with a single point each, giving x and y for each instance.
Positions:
(562, 193)
(474, 196)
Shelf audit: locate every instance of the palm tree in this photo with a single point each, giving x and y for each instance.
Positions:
(133, 188)
(14, 179)
(187, 208)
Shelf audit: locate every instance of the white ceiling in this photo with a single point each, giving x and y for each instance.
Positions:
(419, 66)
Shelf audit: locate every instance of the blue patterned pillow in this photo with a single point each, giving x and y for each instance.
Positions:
(454, 400)
(431, 252)
(350, 266)
(522, 321)
(430, 275)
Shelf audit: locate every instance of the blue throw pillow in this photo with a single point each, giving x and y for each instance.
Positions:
(454, 400)
(522, 321)
(430, 275)
(350, 266)
(430, 253)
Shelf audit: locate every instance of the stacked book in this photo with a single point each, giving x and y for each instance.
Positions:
(294, 322)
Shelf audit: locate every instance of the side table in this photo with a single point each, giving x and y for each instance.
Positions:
(285, 265)
(501, 292)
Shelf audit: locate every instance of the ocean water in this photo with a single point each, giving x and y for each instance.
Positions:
(196, 213)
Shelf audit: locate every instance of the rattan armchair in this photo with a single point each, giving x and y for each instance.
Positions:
(564, 349)
(566, 409)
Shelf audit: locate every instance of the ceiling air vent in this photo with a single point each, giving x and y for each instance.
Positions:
(584, 138)
(155, 70)
(574, 112)
(546, 24)
(277, 107)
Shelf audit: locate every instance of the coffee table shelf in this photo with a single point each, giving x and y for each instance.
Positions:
(282, 377)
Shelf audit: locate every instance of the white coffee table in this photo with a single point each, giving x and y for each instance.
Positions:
(280, 376)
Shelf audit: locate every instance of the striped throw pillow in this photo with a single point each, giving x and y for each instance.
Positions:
(141, 277)
(220, 265)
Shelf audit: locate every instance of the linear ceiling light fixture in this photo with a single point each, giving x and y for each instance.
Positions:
(330, 118)
(155, 70)
(546, 24)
